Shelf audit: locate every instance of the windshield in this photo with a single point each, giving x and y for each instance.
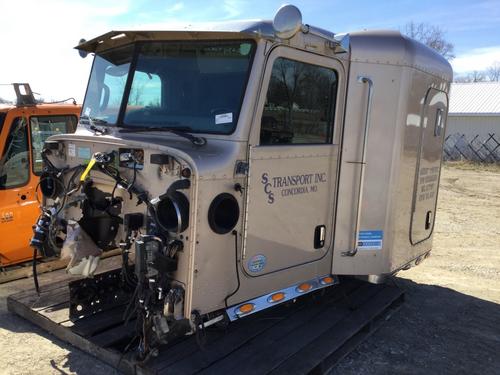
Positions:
(191, 86)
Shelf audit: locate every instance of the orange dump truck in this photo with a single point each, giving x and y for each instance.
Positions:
(24, 126)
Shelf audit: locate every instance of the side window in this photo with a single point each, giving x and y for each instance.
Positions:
(42, 127)
(300, 104)
(438, 127)
(14, 164)
(2, 118)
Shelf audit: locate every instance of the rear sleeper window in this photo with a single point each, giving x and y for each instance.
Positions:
(300, 104)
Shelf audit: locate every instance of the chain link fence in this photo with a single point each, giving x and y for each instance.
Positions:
(483, 149)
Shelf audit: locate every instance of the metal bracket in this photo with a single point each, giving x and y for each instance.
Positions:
(241, 168)
(103, 292)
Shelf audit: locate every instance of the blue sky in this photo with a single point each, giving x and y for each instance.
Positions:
(40, 40)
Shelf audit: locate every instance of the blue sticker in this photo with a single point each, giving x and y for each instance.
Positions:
(370, 240)
(257, 263)
(84, 153)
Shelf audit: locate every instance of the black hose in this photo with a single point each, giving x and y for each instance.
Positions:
(235, 234)
(35, 275)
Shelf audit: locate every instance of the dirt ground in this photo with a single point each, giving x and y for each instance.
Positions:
(449, 324)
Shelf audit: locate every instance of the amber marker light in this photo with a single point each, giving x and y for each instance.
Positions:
(245, 309)
(304, 287)
(326, 280)
(276, 297)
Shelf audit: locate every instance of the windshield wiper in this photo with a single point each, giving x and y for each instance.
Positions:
(87, 120)
(180, 131)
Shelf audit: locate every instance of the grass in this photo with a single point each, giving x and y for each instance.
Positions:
(470, 165)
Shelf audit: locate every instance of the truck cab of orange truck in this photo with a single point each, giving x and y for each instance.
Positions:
(24, 126)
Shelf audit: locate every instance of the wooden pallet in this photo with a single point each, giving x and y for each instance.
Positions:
(25, 269)
(309, 335)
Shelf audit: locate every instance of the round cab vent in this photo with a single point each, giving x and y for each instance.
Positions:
(173, 212)
(223, 213)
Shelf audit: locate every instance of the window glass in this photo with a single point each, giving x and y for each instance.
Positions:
(2, 118)
(300, 104)
(43, 127)
(145, 91)
(194, 86)
(106, 85)
(14, 164)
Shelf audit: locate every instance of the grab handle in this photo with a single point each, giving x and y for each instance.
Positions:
(362, 79)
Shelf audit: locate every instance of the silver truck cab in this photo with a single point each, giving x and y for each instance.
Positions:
(249, 163)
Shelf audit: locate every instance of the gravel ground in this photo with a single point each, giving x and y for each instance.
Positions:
(449, 324)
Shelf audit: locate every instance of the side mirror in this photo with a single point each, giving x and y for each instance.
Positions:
(287, 21)
(83, 54)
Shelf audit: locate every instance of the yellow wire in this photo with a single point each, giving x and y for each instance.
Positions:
(87, 170)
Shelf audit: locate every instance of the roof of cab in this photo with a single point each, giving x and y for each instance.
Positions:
(41, 106)
(254, 29)
(234, 30)
(391, 47)
(377, 46)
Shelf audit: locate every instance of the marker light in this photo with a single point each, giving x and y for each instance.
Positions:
(326, 280)
(304, 287)
(276, 297)
(245, 309)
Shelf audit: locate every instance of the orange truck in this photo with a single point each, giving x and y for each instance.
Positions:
(24, 127)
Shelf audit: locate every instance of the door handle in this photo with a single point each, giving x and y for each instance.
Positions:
(319, 236)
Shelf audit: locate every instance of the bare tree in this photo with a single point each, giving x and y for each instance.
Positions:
(494, 72)
(477, 76)
(461, 79)
(432, 36)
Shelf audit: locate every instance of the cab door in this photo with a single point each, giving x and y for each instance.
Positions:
(293, 160)
(428, 168)
(21, 144)
(18, 205)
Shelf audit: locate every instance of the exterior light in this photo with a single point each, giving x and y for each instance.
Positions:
(276, 297)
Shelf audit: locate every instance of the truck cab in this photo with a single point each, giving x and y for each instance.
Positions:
(242, 165)
(24, 127)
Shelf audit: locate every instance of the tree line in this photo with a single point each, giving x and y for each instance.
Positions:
(434, 37)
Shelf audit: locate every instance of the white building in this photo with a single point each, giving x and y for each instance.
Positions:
(474, 109)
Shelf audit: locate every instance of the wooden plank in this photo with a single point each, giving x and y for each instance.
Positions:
(61, 279)
(311, 356)
(99, 322)
(330, 362)
(26, 270)
(113, 335)
(216, 339)
(218, 342)
(65, 334)
(58, 313)
(278, 339)
(241, 351)
(31, 295)
(276, 350)
(49, 299)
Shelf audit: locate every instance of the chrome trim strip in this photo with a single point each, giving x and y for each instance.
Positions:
(262, 302)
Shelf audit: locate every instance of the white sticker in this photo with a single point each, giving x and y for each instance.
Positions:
(224, 118)
(72, 150)
(87, 111)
